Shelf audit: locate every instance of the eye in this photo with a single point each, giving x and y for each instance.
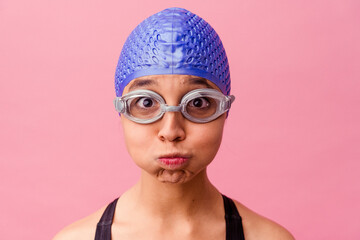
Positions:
(145, 102)
(199, 103)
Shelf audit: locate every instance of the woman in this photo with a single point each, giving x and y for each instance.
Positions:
(172, 85)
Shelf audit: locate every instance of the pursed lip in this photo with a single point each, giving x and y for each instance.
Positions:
(173, 161)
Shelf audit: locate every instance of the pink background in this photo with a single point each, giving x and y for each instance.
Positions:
(291, 144)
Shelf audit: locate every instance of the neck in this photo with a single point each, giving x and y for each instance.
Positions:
(187, 198)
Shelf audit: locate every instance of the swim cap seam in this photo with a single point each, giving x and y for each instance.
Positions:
(172, 38)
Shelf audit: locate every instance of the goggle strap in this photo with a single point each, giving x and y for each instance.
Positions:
(229, 100)
(119, 105)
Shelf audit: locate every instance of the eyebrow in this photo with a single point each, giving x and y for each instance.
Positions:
(200, 81)
(141, 83)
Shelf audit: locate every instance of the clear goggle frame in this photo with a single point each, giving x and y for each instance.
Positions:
(199, 105)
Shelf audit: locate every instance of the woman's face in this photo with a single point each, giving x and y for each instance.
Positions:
(172, 149)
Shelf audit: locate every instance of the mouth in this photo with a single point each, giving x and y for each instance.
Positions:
(173, 161)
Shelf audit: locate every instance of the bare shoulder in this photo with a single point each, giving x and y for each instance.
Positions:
(258, 227)
(83, 229)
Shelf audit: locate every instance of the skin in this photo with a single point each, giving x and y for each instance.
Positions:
(167, 202)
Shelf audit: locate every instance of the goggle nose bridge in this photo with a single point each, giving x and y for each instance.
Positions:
(167, 108)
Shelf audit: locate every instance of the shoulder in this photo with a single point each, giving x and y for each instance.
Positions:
(82, 229)
(258, 227)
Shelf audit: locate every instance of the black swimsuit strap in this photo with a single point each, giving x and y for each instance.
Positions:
(234, 228)
(103, 228)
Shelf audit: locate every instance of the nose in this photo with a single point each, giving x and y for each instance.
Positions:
(172, 127)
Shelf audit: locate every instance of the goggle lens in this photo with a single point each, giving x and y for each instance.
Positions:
(143, 107)
(201, 107)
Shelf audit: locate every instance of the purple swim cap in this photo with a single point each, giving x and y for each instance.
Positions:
(173, 41)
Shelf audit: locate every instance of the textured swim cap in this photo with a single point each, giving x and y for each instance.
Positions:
(173, 41)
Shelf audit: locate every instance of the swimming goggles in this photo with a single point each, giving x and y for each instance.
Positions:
(199, 105)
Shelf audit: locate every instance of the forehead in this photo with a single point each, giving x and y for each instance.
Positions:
(172, 81)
